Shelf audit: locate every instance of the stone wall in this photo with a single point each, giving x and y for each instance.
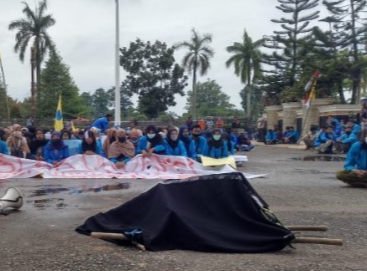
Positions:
(290, 113)
(272, 115)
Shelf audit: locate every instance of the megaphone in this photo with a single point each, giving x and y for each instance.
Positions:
(13, 199)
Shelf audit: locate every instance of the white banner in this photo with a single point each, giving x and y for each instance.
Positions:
(95, 166)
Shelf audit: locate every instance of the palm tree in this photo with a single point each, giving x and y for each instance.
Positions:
(197, 58)
(34, 26)
(246, 61)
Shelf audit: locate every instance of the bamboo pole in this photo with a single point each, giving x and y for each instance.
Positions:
(116, 236)
(307, 228)
(316, 240)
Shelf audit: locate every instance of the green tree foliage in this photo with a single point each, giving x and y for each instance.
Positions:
(57, 80)
(34, 26)
(290, 40)
(101, 101)
(198, 56)
(348, 32)
(211, 100)
(246, 58)
(153, 75)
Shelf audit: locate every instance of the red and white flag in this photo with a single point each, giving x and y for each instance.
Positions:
(310, 89)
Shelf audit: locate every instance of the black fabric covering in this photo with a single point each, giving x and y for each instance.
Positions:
(215, 213)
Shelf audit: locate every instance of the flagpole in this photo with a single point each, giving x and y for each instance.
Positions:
(5, 90)
(117, 68)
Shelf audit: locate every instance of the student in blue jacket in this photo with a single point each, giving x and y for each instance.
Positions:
(271, 137)
(346, 140)
(102, 123)
(151, 143)
(326, 140)
(184, 136)
(3, 147)
(90, 145)
(217, 147)
(56, 151)
(173, 145)
(200, 141)
(355, 167)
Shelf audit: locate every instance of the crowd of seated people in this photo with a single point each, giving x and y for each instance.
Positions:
(120, 145)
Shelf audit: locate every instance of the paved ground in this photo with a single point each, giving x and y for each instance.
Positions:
(41, 236)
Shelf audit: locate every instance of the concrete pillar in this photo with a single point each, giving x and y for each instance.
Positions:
(290, 113)
(311, 116)
(272, 115)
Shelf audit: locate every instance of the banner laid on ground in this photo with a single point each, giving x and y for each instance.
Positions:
(95, 166)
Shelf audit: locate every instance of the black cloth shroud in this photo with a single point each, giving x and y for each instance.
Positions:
(215, 213)
(36, 143)
(89, 147)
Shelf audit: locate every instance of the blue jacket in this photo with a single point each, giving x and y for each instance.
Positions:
(190, 149)
(357, 158)
(293, 134)
(51, 156)
(213, 152)
(356, 129)
(98, 149)
(323, 137)
(101, 123)
(180, 149)
(200, 145)
(143, 143)
(231, 145)
(4, 148)
(271, 136)
(351, 138)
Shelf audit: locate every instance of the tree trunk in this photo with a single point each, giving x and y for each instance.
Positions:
(341, 92)
(38, 73)
(248, 98)
(357, 73)
(33, 85)
(194, 92)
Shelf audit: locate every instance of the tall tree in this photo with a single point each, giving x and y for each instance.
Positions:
(291, 39)
(211, 100)
(246, 60)
(126, 105)
(351, 34)
(153, 75)
(57, 80)
(197, 58)
(34, 26)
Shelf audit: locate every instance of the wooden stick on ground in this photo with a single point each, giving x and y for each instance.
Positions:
(117, 236)
(316, 240)
(308, 228)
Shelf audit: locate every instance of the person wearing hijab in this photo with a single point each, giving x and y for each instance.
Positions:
(134, 137)
(90, 145)
(217, 147)
(184, 136)
(200, 141)
(56, 150)
(37, 145)
(3, 147)
(111, 137)
(65, 135)
(17, 144)
(151, 143)
(173, 145)
(230, 144)
(121, 150)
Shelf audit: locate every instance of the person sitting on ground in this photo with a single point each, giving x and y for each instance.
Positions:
(134, 137)
(219, 124)
(65, 135)
(37, 145)
(121, 151)
(355, 167)
(75, 134)
(200, 142)
(173, 145)
(17, 144)
(7, 133)
(151, 143)
(236, 123)
(189, 124)
(337, 128)
(345, 142)
(56, 151)
(184, 136)
(3, 147)
(111, 137)
(292, 136)
(217, 147)
(232, 137)
(90, 145)
(325, 142)
(243, 142)
(226, 137)
(309, 138)
(356, 129)
(271, 137)
(102, 123)
(285, 133)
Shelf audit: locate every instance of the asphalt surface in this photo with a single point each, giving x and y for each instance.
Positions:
(300, 191)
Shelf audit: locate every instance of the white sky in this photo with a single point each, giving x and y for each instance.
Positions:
(85, 36)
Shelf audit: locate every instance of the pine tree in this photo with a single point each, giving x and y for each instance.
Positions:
(57, 80)
(290, 40)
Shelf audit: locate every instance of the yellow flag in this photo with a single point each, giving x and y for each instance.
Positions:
(59, 124)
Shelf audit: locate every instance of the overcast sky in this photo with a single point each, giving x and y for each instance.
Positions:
(85, 36)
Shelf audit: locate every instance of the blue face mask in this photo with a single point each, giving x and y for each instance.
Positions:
(151, 136)
(216, 137)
